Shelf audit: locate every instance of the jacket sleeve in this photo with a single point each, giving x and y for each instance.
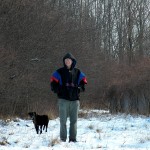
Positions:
(55, 82)
(82, 81)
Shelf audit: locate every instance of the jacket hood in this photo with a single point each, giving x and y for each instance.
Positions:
(69, 55)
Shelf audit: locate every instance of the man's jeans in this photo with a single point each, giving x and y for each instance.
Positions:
(68, 109)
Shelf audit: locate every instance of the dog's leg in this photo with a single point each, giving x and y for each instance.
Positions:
(43, 127)
(46, 127)
(37, 128)
(40, 129)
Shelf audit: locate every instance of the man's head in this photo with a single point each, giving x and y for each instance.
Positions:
(69, 61)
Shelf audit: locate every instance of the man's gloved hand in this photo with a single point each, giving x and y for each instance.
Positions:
(81, 86)
(55, 87)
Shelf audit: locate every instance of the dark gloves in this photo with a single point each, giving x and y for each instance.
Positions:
(82, 86)
(55, 87)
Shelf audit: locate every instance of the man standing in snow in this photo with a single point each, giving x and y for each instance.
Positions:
(68, 82)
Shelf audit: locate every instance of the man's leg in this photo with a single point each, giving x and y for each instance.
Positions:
(63, 114)
(73, 114)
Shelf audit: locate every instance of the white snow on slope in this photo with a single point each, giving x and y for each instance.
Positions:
(98, 130)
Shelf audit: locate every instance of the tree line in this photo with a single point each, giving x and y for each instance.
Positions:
(108, 36)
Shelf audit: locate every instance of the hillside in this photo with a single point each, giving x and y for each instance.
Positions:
(97, 129)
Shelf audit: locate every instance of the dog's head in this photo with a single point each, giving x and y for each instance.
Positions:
(32, 115)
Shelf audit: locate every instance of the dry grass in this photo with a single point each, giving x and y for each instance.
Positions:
(4, 141)
(99, 130)
(54, 141)
(144, 139)
(91, 127)
(83, 114)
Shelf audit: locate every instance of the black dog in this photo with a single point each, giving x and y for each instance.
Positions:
(39, 121)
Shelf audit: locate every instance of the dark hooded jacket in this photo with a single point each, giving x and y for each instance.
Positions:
(68, 83)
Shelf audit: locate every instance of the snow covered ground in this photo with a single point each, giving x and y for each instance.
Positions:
(96, 130)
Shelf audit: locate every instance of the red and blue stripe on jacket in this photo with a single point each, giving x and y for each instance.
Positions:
(57, 78)
(63, 88)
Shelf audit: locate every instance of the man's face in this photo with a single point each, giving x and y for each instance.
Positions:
(68, 62)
